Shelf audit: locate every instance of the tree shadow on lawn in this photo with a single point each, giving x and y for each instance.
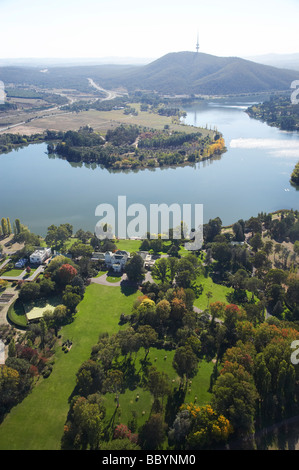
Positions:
(174, 402)
(131, 377)
(128, 288)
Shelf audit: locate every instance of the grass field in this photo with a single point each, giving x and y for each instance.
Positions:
(101, 121)
(37, 423)
(13, 272)
(16, 314)
(24, 428)
(218, 291)
(140, 401)
(128, 245)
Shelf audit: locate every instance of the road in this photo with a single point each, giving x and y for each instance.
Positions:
(111, 94)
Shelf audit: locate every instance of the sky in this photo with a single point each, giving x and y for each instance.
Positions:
(146, 29)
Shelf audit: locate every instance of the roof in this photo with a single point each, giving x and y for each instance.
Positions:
(40, 252)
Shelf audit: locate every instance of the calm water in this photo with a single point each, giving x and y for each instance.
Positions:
(252, 176)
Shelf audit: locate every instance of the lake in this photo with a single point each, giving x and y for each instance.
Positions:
(252, 176)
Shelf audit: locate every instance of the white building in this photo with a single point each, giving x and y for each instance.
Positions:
(115, 261)
(39, 256)
(149, 259)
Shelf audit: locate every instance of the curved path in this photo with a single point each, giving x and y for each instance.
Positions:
(103, 280)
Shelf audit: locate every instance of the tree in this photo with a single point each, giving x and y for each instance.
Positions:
(163, 309)
(239, 232)
(211, 229)
(222, 253)
(90, 378)
(29, 291)
(234, 395)
(66, 273)
(173, 265)
(152, 433)
(113, 383)
(134, 269)
(47, 287)
(296, 247)
(256, 242)
(71, 298)
(57, 236)
(12, 348)
(292, 295)
(160, 270)
(148, 337)
(80, 249)
(254, 285)
(44, 330)
(18, 226)
(4, 227)
(58, 317)
(87, 427)
(262, 378)
(83, 236)
(186, 273)
(9, 383)
(122, 432)
(185, 362)
(209, 295)
(9, 231)
(146, 312)
(206, 427)
(158, 383)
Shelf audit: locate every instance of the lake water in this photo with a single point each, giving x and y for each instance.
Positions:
(251, 177)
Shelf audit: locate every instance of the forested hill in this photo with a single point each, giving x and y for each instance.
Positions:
(174, 73)
(189, 72)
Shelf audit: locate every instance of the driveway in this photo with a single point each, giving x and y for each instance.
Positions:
(102, 280)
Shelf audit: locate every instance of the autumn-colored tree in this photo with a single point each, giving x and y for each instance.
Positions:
(206, 427)
(66, 273)
(243, 354)
(123, 432)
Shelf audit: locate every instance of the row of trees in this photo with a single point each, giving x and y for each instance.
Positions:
(6, 229)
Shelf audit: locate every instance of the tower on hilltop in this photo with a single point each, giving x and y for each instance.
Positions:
(197, 44)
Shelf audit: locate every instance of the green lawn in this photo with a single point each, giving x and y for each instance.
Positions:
(101, 273)
(113, 278)
(128, 245)
(219, 292)
(140, 400)
(37, 423)
(13, 272)
(16, 314)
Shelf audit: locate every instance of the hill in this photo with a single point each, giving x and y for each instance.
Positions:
(199, 73)
(174, 73)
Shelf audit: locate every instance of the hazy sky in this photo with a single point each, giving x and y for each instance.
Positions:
(138, 28)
